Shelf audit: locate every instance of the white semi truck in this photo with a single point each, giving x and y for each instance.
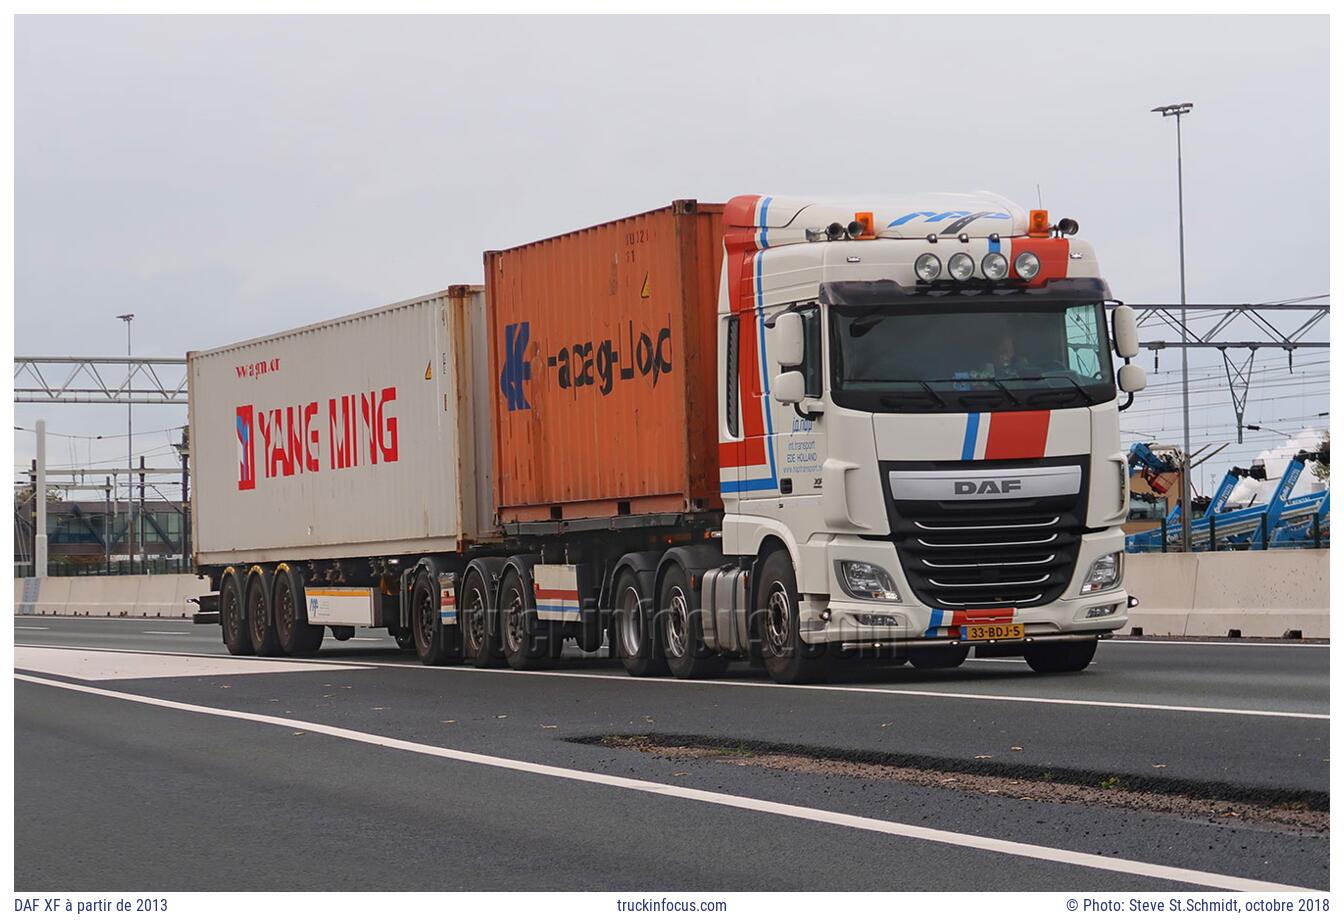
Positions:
(775, 429)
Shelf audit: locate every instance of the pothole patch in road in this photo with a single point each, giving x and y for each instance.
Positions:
(1303, 812)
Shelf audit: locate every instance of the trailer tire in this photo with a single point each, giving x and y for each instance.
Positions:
(342, 633)
(1060, 657)
(636, 638)
(787, 658)
(528, 643)
(435, 643)
(683, 640)
(233, 614)
(260, 613)
(292, 630)
(475, 610)
(933, 659)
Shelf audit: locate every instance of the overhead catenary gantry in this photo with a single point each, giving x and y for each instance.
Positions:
(103, 379)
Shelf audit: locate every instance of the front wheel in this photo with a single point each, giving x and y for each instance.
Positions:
(787, 658)
(1060, 657)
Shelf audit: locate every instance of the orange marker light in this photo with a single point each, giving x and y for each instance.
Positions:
(1038, 224)
(866, 218)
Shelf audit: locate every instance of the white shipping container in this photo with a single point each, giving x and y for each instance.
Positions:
(364, 435)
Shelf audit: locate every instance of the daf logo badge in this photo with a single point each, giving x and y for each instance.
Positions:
(986, 486)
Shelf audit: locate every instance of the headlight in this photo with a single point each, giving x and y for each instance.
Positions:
(867, 582)
(961, 266)
(995, 266)
(1105, 573)
(927, 267)
(1027, 265)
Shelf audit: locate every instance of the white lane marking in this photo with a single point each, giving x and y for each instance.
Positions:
(165, 632)
(824, 688)
(839, 819)
(364, 639)
(86, 665)
(32, 627)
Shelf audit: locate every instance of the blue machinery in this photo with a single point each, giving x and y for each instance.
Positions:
(1279, 522)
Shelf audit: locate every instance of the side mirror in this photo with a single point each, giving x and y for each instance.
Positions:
(1125, 330)
(788, 387)
(784, 340)
(1133, 378)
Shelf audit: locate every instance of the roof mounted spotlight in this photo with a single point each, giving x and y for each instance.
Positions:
(816, 234)
(835, 231)
(1067, 226)
(856, 229)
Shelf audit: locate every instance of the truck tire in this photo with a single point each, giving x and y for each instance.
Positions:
(636, 638)
(932, 659)
(787, 658)
(342, 633)
(527, 642)
(683, 640)
(233, 614)
(1060, 657)
(260, 613)
(475, 610)
(405, 639)
(435, 643)
(292, 630)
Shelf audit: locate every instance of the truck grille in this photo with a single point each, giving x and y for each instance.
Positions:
(991, 553)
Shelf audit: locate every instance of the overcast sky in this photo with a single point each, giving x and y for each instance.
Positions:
(224, 178)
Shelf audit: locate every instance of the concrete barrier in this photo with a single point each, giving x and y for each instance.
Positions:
(109, 596)
(1261, 593)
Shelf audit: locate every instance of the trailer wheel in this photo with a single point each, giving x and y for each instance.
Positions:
(233, 615)
(1060, 657)
(480, 646)
(528, 643)
(932, 659)
(636, 639)
(787, 658)
(260, 622)
(292, 630)
(342, 633)
(680, 625)
(435, 643)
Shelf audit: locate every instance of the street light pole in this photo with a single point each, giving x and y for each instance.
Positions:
(1179, 109)
(130, 499)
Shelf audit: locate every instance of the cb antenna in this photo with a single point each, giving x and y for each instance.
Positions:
(1039, 202)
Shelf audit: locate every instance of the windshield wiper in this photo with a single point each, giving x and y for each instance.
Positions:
(1087, 397)
(893, 402)
(1005, 391)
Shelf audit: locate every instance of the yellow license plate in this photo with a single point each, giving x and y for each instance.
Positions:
(981, 631)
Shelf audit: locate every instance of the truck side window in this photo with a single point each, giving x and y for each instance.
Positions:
(730, 377)
(811, 367)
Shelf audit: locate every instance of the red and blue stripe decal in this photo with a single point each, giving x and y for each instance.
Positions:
(953, 620)
(748, 465)
(557, 600)
(1005, 435)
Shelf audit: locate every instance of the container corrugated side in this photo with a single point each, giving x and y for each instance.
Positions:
(603, 355)
(339, 439)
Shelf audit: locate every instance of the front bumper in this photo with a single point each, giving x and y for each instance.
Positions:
(836, 618)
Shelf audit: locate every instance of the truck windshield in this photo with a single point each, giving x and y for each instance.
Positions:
(950, 356)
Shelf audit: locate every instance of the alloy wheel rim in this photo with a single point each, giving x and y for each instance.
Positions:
(678, 624)
(475, 616)
(777, 617)
(513, 622)
(631, 628)
(424, 621)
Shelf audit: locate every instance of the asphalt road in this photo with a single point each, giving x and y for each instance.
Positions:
(372, 768)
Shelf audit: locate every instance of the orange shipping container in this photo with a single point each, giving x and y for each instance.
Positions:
(603, 358)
